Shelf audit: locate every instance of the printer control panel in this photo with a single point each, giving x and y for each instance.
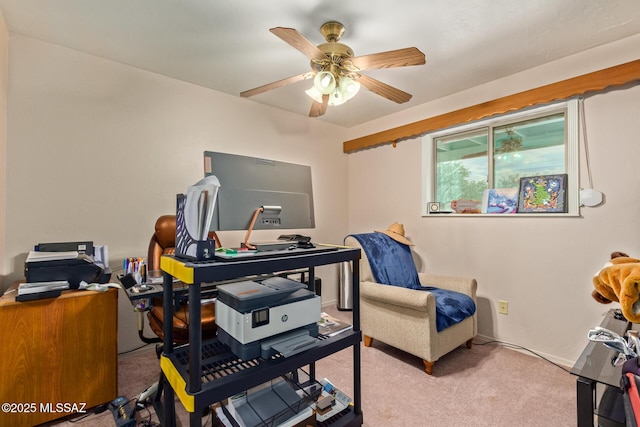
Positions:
(260, 317)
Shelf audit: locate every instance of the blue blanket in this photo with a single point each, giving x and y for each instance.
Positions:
(392, 264)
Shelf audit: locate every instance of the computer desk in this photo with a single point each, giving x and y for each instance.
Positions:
(59, 355)
(180, 290)
(142, 298)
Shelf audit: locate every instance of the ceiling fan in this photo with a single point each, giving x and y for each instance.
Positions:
(336, 71)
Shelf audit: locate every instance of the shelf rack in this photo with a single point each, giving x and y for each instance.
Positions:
(203, 373)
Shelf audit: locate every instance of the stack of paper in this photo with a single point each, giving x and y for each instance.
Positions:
(198, 210)
(330, 326)
(37, 287)
(36, 256)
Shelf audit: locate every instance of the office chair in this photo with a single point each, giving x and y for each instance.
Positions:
(163, 242)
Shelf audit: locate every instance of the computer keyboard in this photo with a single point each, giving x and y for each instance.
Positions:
(221, 256)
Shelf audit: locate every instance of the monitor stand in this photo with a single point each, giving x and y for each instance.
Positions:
(265, 246)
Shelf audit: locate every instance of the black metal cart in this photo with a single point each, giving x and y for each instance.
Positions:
(203, 373)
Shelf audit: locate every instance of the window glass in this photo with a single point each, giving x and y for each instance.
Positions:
(461, 166)
(528, 148)
(462, 163)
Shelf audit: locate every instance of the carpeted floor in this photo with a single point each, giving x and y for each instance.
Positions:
(487, 385)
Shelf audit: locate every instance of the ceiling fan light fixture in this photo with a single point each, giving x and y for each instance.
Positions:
(314, 94)
(336, 98)
(345, 89)
(348, 87)
(324, 82)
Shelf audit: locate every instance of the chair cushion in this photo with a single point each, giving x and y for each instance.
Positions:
(392, 264)
(181, 322)
(451, 306)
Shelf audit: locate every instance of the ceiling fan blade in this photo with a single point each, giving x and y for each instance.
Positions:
(393, 58)
(383, 89)
(297, 40)
(275, 85)
(317, 108)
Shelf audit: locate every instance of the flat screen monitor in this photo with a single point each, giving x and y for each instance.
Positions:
(248, 183)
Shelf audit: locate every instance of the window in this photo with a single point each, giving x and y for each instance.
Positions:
(462, 162)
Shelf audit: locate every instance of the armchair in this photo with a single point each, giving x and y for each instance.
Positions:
(163, 242)
(407, 318)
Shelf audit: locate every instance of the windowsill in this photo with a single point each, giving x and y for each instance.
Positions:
(516, 215)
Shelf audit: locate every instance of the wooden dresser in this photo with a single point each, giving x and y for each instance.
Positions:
(58, 357)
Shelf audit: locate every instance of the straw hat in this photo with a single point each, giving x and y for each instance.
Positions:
(396, 232)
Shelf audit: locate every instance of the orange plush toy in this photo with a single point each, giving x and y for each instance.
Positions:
(619, 280)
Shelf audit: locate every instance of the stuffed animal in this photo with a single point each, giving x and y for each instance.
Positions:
(619, 280)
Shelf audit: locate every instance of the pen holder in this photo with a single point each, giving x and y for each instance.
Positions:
(187, 245)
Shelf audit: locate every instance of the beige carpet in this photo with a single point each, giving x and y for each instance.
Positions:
(488, 385)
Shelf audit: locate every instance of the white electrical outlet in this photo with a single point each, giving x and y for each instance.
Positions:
(503, 307)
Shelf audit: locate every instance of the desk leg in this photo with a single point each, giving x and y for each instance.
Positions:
(357, 370)
(167, 312)
(195, 339)
(163, 403)
(195, 419)
(585, 392)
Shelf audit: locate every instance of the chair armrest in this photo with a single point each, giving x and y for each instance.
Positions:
(395, 295)
(464, 285)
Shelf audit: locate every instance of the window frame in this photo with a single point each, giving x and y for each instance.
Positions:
(569, 108)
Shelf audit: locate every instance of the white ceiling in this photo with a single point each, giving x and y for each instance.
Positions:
(227, 46)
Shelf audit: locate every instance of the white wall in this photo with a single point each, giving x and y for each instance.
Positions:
(98, 150)
(541, 266)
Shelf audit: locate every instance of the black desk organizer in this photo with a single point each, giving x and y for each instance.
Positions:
(188, 246)
(203, 373)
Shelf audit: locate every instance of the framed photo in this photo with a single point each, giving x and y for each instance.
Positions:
(543, 194)
(500, 201)
(466, 206)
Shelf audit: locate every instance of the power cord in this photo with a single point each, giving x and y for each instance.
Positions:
(133, 349)
(97, 410)
(82, 417)
(147, 422)
(508, 344)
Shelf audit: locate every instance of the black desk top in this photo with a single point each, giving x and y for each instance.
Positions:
(263, 263)
(154, 291)
(595, 361)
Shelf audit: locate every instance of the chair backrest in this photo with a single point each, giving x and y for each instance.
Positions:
(365, 269)
(390, 262)
(163, 240)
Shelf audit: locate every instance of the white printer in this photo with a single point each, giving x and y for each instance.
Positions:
(264, 317)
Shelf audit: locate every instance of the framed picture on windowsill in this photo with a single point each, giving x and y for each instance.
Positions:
(543, 194)
(500, 201)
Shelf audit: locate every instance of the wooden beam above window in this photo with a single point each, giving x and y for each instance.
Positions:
(592, 82)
